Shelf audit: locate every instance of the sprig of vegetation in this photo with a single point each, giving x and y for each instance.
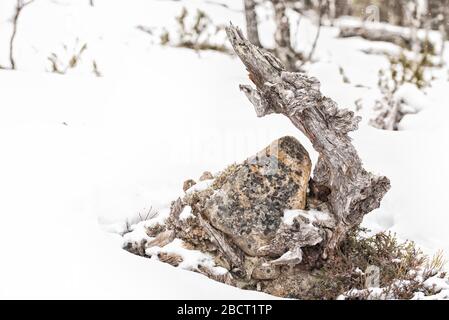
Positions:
(197, 35)
(398, 264)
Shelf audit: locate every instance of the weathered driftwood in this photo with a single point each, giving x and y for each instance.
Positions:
(251, 22)
(389, 114)
(283, 47)
(376, 34)
(235, 257)
(439, 10)
(282, 37)
(349, 190)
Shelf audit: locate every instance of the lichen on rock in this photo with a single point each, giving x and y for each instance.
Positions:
(239, 216)
(261, 225)
(250, 201)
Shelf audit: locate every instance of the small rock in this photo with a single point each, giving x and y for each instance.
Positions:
(188, 184)
(224, 277)
(170, 258)
(162, 239)
(265, 271)
(206, 176)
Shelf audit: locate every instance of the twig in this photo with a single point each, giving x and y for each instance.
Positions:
(21, 4)
(317, 36)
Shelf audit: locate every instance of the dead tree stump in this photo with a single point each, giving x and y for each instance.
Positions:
(351, 191)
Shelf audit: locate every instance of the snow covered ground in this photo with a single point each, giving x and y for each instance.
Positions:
(82, 155)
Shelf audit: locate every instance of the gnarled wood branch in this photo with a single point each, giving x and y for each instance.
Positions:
(383, 34)
(354, 192)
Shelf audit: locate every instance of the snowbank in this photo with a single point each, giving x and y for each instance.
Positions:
(80, 154)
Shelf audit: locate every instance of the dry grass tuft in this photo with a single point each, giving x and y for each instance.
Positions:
(380, 261)
(198, 35)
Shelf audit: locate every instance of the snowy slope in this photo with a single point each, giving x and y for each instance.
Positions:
(81, 154)
(57, 178)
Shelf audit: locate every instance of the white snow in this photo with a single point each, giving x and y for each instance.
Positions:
(186, 213)
(81, 154)
(289, 216)
(292, 256)
(311, 215)
(413, 98)
(200, 186)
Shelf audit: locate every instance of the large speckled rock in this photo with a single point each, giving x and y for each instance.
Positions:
(252, 220)
(249, 199)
